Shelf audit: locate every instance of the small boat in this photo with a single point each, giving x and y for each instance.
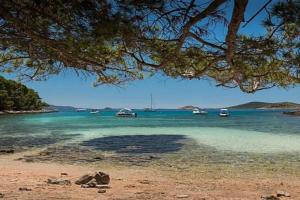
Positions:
(224, 113)
(198, 111)
(125, 112)
(94, 111)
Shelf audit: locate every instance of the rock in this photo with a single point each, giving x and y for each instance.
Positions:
(84, 179)
(147, 182)
(92, 184)
(29, 160)
(102, 186)
(1, 195)
(85, 186)
(270, 197)
(182, 196)
(7, 150)
(101, 191)
(24, 189)
(58, 181)
(64, 174)
(102, 178)
(282, 194)
(98, 158)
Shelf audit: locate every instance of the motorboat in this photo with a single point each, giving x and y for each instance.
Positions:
(94, 111)
(125, 112)
(224, 113)
(198, 111)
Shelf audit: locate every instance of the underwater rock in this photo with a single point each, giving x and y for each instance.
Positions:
(102, 178)
(58, 181)
(84, 179)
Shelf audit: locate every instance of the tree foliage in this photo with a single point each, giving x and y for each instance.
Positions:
(123, 40)
(15, 96)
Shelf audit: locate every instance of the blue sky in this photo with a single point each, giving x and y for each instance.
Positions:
(68, 89)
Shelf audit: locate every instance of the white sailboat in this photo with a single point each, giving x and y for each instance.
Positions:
(151, 106)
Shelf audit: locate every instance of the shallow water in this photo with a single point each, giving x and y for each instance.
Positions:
(247, 136)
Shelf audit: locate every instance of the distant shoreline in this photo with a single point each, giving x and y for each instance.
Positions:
(14, 112)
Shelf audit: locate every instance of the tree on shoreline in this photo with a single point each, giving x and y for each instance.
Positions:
(122, 40)
(17, 97)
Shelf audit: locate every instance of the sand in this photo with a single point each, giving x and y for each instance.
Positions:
(135, 183)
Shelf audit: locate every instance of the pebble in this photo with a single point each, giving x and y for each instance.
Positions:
(58, 181)
(64, 174)
(1, 195)
(101, 191)
(147, 182)
(84, 186)
(270, 197)
(102, 186)
(282, 194)
(182, 196)
(24, 189)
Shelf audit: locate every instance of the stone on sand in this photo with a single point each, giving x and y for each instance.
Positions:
(58, 181)
(270, 197)
(84, 179)
(102, 178)
(24, 189)
(182, 196)
(282, 194)
(101, 191)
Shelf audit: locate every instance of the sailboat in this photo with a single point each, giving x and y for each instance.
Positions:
(151, 106)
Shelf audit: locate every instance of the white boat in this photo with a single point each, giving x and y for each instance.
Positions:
(198, 111)
(125, 112)
(224, 113)
(94, 111)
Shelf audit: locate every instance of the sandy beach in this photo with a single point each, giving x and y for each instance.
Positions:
(135, 183)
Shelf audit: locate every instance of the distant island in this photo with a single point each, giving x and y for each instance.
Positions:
(188, 107)
(265, 105)
(16, 98)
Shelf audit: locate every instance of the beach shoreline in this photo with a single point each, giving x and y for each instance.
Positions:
(135, 182)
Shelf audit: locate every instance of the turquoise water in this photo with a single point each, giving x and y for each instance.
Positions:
(248, 140)
(244, 131)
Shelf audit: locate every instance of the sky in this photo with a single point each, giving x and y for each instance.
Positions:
(68, 89)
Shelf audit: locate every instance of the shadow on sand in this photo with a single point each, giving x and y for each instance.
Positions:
(137, 144)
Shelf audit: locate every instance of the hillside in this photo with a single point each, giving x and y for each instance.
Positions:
(265, 105)
(15, 96)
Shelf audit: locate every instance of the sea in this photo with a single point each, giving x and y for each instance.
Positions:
(170, 137)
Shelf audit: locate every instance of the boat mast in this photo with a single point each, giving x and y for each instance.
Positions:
(151, 101)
